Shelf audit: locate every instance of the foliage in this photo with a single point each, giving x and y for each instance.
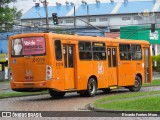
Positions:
(8, 15)
(3, 2)
(156, 58)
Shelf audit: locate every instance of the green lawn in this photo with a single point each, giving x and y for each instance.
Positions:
(4, 81)
(142, 104)
(154, 83)
(19, 94)
(142, 101)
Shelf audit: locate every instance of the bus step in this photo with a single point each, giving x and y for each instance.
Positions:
(113, 87)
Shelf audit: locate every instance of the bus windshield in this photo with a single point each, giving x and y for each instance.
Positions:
(28, 46)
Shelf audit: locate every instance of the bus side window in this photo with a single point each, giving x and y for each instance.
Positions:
(109, 57)
(58, 50)
(99, 51)
(85, 52)
(136, 52)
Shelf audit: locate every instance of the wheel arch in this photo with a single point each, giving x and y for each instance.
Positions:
(139, 75)
(93, 76)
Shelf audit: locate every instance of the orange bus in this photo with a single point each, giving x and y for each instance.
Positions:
(65, 63)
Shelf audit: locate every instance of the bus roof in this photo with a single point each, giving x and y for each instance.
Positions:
(81, 38)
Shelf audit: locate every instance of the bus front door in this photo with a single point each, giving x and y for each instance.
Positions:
(146, 66)
(68, 52)
(112, 66)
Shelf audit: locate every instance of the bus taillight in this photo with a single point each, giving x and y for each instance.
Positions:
(48, 72)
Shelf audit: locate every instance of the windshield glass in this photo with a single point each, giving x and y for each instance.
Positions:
(28, 46)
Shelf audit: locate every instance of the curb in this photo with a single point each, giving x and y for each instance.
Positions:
(92, 108)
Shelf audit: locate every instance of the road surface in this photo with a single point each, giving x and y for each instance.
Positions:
(71, 101)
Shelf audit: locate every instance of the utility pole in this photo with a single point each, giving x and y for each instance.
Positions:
(44, 2)
(46, 10)
(74, 18)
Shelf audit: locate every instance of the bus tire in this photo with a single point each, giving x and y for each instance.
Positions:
(91, 87)
(55, 94)
(137, 85)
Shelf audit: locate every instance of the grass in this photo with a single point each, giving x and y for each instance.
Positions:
(19, 94)
(143, 104)
(145, 101)
(127, 95)
(4, 81)
(154, 83)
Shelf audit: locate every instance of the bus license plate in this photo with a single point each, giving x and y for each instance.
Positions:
(28, 84)
(29, 78)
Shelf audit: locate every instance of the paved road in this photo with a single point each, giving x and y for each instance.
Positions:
(71, 101)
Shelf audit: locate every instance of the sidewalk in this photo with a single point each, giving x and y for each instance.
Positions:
(5, 87)
(156, 75)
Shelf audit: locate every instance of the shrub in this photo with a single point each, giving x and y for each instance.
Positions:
(156, 58)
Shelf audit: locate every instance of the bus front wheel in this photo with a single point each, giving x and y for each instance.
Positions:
(137, 85)
(56, 94)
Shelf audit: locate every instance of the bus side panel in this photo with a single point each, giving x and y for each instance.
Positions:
(125, 76)
(85, 70)
(57, 81)
(100, 71)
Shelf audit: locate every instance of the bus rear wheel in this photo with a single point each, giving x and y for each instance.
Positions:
(55, 94)
(91, 87)
(137, 85)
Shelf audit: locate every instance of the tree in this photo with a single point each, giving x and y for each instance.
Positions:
(156, 59)
(8, 15)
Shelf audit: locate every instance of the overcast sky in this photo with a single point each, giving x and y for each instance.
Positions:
(28, 4)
